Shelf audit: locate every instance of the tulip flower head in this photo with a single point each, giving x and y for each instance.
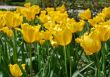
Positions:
(15, 70)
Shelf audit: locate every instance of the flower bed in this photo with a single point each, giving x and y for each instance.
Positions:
(48, 43)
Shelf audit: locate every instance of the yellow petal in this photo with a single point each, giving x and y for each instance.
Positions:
(85, 15)
(63, 37)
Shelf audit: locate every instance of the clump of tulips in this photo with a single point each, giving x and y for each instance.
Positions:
(45, 34)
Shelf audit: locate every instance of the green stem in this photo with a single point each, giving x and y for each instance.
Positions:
(70, 68)
(36, 45)
(109, 71)
(69, 56)
(30, 55)
(15, 47)
(65, 62)
(97, 65)
(103, 59)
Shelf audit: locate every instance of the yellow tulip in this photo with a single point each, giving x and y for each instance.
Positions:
(13, 19)
(106, 11)
(50, 25)
(89, 44)
(8, 31)
(60, 18)
(29, 32)
(85, 15)
(92, 22)
(42, 42)
(23, 66)
(76, 26)
(71, 25)
(46, 35)
(80, 25)
(102, 32)
(15, 70)
(2, 19)
(29, 12)
(63, 37)
(38, 36)
(27, 4)
(35, 9)
(97, 19)
(49, 9)
(43, 17)
(107, 23)
(61, 8)
(53, 43)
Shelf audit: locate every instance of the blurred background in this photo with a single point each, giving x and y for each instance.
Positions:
(73, 6)
(69, 3)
